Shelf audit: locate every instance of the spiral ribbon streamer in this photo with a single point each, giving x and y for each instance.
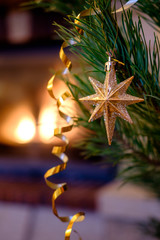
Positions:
(59, 151)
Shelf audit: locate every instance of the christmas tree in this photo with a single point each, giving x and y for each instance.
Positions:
(100, 29)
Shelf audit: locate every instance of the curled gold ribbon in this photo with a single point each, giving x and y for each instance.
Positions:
(59, 151)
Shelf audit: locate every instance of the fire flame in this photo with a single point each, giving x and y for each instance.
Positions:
(19, 126)
(25, 130)
(46, 124)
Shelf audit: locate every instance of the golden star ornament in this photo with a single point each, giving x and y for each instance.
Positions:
(110, 99)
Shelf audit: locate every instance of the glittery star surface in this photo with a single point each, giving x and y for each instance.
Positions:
(110, 100)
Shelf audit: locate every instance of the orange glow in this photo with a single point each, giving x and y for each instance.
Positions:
(25, 130)
(46, 124)
(19, 125)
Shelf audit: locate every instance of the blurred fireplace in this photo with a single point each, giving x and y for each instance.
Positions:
(27, 119)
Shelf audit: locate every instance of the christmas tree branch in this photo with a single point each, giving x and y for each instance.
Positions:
(102, 33)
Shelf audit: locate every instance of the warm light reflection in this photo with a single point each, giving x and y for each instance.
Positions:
(25, 130)
(46, 124)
